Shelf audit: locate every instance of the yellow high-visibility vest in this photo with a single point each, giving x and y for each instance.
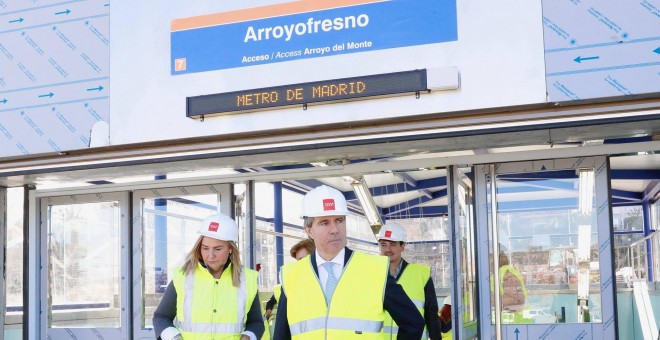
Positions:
(510, 269)
(446, 336)
(413, 279)
(502, 272)
(210, 308)
(356, 307)
(277, 291)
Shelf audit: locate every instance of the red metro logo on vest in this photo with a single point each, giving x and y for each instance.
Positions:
(213, 226)
(328, 204)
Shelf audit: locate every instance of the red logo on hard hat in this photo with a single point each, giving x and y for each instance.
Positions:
(388, 233)
(213, 226)
(328, 204)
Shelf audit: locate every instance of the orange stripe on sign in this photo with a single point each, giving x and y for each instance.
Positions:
(262, 13)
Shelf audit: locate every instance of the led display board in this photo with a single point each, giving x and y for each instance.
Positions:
(308, 93)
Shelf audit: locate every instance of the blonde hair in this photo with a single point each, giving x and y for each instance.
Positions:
(194, 257)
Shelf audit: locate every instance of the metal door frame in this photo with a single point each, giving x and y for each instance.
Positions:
(454, 180)
(608, 329)
(3, 242)
(125, 312)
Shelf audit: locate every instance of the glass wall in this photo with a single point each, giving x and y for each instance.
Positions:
(549, 258)
(628, 224)
(84, 265)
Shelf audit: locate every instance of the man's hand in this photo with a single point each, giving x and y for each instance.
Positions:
(269, 313)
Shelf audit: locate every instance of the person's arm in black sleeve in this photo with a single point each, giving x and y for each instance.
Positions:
(271, 302)
(431, 311)
(282, 331)
(166, 311)
(269, 306)
(403, 311)
(255, 322)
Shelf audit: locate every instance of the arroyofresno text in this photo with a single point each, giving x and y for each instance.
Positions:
(312, 26)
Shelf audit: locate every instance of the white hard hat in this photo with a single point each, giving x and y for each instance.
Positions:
(324, 201)
(448, 300)
(392, 232)
(219, 227)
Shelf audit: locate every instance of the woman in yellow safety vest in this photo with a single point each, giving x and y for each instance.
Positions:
(211, 296)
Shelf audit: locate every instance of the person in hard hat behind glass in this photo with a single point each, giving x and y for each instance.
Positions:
(338, 293)
(414, 278)
(211, 296)
(445, 319)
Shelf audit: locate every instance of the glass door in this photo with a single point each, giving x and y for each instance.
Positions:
(85, 266)
(165, 223)
(545, 245)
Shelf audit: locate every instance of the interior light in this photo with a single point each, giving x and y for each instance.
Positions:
(585, 191)
(371, 211)
(584, 243)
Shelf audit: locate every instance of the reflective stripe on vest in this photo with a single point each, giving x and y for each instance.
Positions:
(209, 307)
(210, 327)
(335, 323)
(356, 309)
(413, 279)
(395, 330)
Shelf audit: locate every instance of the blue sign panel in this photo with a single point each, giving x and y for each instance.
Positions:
(307, 29)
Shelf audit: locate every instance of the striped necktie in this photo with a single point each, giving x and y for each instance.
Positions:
(330, 283)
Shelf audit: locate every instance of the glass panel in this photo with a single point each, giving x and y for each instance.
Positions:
(655, 215)
(169, 232)
(14, 262)
(629, 218)
(624, 262)
(84, 265)
(548, 248)
(428, 244)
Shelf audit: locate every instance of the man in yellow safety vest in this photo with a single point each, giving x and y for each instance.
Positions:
(337, 293)
(414, 278)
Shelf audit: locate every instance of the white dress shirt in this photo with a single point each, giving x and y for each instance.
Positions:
(337, 268)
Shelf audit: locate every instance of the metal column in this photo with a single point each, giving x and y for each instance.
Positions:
(278, 224)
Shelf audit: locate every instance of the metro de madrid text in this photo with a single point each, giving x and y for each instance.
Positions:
(343, 90)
